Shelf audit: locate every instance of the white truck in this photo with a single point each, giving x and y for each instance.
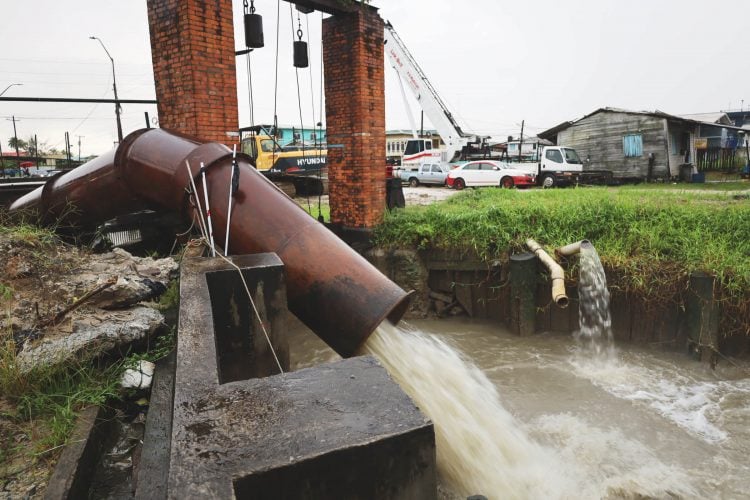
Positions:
(426, 173)
(561, 165)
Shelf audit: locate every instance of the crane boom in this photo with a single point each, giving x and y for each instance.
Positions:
(434, 107)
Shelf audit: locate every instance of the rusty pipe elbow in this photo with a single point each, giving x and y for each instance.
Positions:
(335, 291)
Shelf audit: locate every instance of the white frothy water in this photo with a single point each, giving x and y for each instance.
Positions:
(595, 322)
(694, 405)
(481, 449)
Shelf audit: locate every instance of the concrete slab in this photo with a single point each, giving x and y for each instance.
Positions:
(153, 468)
(340, 430)
(76, 464)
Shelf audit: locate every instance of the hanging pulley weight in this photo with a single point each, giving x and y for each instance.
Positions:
(253, 27)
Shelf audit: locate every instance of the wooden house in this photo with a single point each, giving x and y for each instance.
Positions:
(646, 145)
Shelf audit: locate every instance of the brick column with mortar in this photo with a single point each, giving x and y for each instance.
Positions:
(355, 116)
(192, 50)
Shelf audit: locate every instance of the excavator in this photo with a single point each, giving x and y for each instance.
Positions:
(298, 164)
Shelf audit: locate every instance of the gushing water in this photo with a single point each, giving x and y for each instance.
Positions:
(595, 322)
(481, 449)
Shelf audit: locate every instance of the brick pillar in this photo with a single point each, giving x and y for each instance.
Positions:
(192, 49)
(355, 117)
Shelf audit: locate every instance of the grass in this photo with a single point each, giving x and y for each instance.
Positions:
(45, 402)
(312, 209)
(650, 239)
(733, 185)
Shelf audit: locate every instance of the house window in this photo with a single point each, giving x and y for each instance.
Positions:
(632, 145)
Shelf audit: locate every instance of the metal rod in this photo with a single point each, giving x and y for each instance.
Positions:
(76, 99)
(208, 212)
(229, 207)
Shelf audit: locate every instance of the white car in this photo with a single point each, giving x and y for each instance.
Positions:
(488, 173)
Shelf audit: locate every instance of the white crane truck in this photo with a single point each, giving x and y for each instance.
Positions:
(557, 165)
(458, 144)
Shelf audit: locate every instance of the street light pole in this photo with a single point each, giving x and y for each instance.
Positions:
(114, 87)
(9, 86)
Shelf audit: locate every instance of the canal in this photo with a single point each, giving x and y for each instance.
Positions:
(640, 423)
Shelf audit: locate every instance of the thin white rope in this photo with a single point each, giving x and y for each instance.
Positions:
(255, 309)
(201, 222)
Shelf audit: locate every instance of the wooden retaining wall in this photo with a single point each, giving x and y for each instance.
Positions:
(451, 283)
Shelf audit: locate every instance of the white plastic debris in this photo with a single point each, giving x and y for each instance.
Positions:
(138, 377)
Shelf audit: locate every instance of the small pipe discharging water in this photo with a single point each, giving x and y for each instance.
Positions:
(594, 319)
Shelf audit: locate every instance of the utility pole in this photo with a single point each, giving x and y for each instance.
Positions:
(114, 88)
(79, 147)
(36, 151)
(67, 147)
(520, 144)
(15, 137)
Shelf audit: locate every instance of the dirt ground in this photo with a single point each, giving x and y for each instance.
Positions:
(422, 195)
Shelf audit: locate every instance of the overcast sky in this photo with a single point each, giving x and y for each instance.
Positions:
(495, 63)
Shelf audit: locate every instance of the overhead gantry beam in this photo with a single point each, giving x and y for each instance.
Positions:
(332, 7)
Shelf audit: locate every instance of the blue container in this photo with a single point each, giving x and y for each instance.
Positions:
(700, 177)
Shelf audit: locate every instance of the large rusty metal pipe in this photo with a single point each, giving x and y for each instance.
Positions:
(555, 271)
(330, 287)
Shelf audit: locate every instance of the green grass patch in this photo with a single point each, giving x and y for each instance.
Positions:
(312, 209)
(733, 185)
(650, 239)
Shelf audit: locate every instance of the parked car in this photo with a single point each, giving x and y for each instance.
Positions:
(50, 173)
(488, 173)
(427, 173)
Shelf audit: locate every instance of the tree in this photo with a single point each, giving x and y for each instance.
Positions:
(21, 143)
(35, 148)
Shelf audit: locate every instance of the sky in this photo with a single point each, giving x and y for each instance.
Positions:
(495, 63)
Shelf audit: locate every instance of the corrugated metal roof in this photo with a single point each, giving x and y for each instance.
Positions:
(548, 134)
(717, 117)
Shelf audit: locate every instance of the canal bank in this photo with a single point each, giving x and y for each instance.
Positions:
(456, 255)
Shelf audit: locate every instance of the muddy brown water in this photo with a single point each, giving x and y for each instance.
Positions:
(640, 424)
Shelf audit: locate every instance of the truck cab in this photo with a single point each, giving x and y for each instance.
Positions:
(559, 165)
